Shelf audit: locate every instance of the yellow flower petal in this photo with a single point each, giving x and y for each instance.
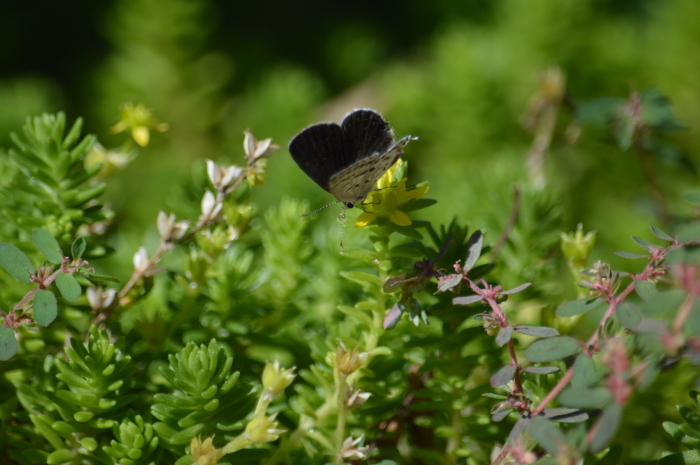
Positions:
(117, 128)
(365, 218)
(414, 194)
(140, 135)
(400, 218)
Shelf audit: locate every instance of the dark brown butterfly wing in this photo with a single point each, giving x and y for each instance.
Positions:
(366, 134)
(320, 151)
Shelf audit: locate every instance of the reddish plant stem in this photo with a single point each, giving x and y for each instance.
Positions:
(503, 320)
(611, 311)
(564, 381)
(591, 342)
(43, 285)
(684, 313)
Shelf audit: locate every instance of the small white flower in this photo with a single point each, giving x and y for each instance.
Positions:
(355, 397)
(222, 177)
(351, 452)
(99, 299)
(255, 149)
(210, 207)
(143, 265)
(141, 259)
(170, 230)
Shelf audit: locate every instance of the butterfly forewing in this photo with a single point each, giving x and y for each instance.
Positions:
(366, 134)
(319, 150)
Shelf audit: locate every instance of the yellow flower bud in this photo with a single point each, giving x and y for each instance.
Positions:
(276, 379)
(262, 429)
(349, 361)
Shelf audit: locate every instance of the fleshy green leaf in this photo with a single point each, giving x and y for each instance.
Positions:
(448, 282)
(16, 262)
(503, 375)
(61, 456)
(504, 335)
(45, 307)
(359, 254)
(541, 370)
(516, 289)
(418, 204)
(613, 456)
(688, 457)
(579, 307)
(584, 397)
(393, 317)
(608, 424)
(362, 278)
(521, 425)
(538, 331)
(394, 283)
(554, 348)
(547, 435)
(677, 432)
(624, 254)
(690, 416)
(412, 249)
(500, 414)
(663, 302)
(660, 234)
(78, 247)
(565, 415)
(628, 314)
(466, 300)
(645, 289)
(69, 287)
(101, 279)
(47, 245)
(474, 246)
(645, 244)
(8, 343)
(585, 372)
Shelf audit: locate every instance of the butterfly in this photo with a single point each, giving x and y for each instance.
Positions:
(347, 159)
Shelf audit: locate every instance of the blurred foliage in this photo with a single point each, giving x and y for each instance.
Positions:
(468, 78)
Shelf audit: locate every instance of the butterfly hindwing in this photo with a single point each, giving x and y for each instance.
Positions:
(357, 180)
(320, 151)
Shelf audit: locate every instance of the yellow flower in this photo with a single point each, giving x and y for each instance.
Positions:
(349, 361)
(204, 452)
(140, 120)
(276, 379)
(385, 201)
(262, 429)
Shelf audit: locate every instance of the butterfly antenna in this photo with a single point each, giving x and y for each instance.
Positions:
(319, 209)
(342, 226)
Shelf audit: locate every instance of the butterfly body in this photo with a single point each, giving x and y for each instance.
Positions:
(347, 159)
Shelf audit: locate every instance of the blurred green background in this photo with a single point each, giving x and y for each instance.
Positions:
(457, 74)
